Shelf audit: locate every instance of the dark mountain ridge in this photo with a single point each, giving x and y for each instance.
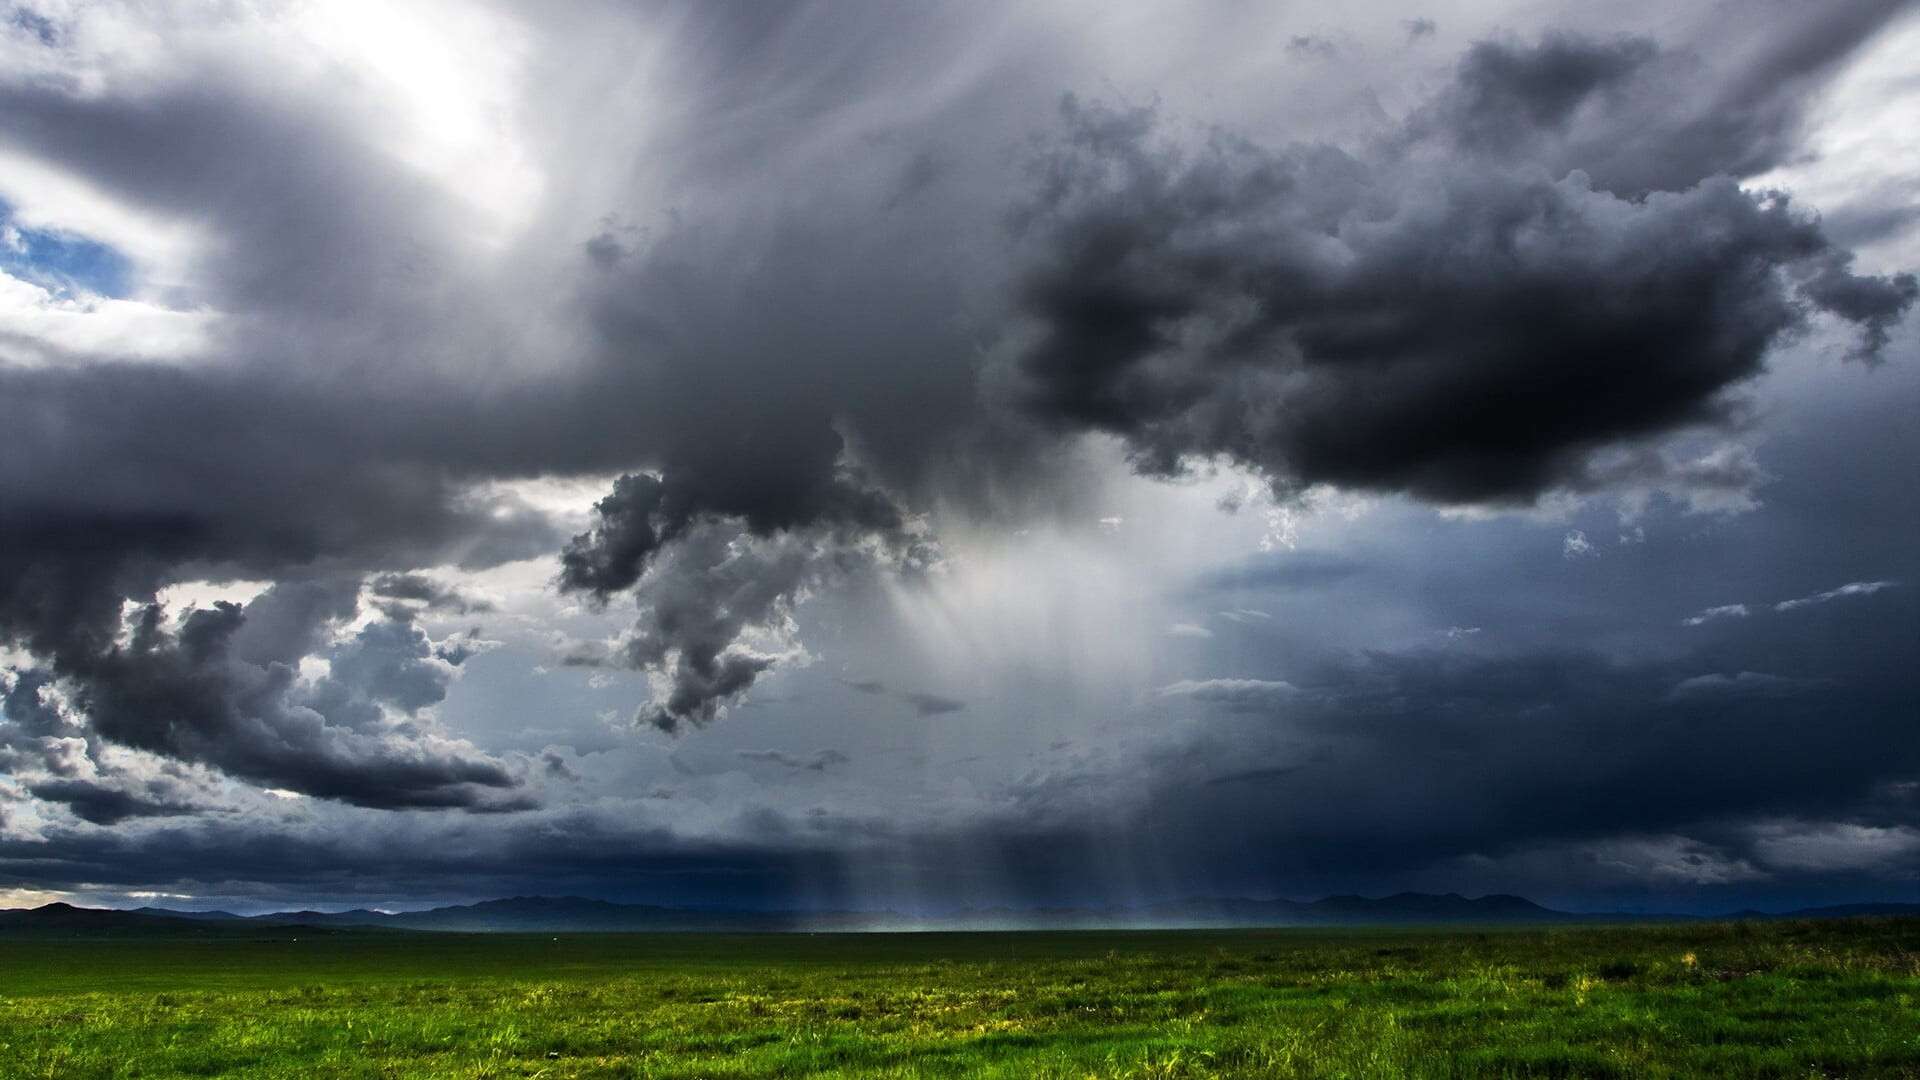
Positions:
(573, 914)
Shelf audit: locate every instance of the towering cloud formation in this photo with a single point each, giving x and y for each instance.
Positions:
(1539, 265)
(757, 268)
(706, 580)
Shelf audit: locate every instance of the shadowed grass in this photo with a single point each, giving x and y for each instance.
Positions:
(1783, 999)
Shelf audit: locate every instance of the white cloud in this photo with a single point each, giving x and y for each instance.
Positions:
(49, 198)
(1742, 684)
(1853, 588)
(26, 898)
(1235, 694)
(1189, 630)
(39, 327)
(1724, 611)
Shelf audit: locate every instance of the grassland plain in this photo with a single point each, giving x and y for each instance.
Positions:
(1834, 998)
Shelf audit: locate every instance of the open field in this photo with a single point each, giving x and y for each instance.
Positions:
(1836, 998)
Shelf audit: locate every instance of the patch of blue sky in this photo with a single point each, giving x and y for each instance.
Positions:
(63, 263)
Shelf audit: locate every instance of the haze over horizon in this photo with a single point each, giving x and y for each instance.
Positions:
(836, 455)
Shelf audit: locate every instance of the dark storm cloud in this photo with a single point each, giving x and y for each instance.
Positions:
(429, 594)
(1549, 259)
(1378, 768)
(258, 478)
(695, 373)
(1468, 311)
(1381, 765)
(709, 568)
(1637, 118)
(573, 854)
(103, 804)
(222, 689)
(317, 440)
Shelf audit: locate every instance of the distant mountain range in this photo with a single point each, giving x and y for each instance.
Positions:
(542, 914)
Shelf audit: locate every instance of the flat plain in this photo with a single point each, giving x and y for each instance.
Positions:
(1789, 999)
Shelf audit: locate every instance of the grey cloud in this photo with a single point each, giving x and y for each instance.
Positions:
(431, 595)
(1437, 314)
(708, 567)
(459, 647)
(104, 804)
(393, 663)
(1638, 118)
(575, 653)
(705, 593)
(924, 704)
(933, 704)
(222, 689)
(818, 761)
(555, 765)
(1311, 45)
(1541, 273)
(28, 711)
(1381, 768)
(1839, 846)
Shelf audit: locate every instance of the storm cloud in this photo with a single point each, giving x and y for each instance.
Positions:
(221, 686)
(1469, 310)
(1429, 449)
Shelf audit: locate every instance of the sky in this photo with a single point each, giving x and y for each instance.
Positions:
(857, 455)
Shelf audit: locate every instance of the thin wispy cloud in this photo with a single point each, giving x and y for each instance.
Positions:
(1721, 611)
(1852, 588)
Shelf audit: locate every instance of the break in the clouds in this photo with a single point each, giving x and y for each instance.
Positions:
(1098, 442)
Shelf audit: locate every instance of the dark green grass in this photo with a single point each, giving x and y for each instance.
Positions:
(1780, 999)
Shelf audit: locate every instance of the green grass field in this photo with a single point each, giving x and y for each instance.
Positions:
(1778, 999)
